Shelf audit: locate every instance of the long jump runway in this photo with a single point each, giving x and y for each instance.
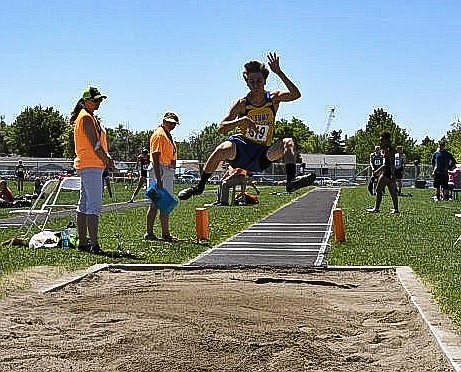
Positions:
(294, 236)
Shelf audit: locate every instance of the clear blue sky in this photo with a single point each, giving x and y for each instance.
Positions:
(187, 56)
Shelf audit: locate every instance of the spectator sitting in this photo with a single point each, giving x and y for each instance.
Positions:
(37, 188)
(6, 195)
(233, 177)
(454, 180)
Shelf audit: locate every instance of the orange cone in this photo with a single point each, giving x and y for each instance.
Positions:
(201, 223)
(338, 225)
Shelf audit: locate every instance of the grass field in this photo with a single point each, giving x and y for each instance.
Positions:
(421, 237)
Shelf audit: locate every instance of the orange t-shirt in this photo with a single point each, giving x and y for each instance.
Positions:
(160, 143)
(86, 155)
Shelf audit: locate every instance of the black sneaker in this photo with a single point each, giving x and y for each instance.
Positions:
(301, 182)
(84, 248)
(150, 237)
(188, 193)
(96, 249)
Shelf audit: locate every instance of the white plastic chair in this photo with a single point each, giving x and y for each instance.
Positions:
(33, 216)
(38, 217)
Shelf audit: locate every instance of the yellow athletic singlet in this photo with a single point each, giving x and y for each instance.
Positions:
(264, 116)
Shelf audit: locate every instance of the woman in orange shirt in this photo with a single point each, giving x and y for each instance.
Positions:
(91, 159)
(163, 158)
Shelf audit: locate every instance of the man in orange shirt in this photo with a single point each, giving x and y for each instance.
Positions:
(163, 158)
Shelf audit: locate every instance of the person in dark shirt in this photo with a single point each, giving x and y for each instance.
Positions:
(387, 176)
(442, 161)
(20, 171)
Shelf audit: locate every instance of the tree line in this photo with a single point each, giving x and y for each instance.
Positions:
(45, 132)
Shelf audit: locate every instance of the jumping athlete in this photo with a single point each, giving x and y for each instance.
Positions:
(142, 165)
(253, 119)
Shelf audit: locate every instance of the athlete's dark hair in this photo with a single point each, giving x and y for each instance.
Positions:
(255, 66)
(78, 107)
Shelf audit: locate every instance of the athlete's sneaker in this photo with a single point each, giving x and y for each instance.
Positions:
(395, 211)
(96, 249)
(372, 210)
(150, 237)
(300, 182)
(188, 193)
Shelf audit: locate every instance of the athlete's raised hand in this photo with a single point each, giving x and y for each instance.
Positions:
(274, 62)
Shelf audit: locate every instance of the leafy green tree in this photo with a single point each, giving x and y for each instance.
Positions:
(453, 139)
(37, 132)
(3, 136)
(365, 140)
(425, 150)
(335, 145)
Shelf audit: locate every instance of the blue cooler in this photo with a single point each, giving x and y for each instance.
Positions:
(161, 199)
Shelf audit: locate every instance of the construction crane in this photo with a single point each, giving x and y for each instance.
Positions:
(330, 117)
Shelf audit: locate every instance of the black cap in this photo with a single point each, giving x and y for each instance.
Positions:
(92, 93)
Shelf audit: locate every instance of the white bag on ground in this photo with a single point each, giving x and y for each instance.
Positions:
(45, 239)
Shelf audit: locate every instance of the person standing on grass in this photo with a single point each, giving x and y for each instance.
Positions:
(163, 157)
(20, 173)
(142, 166)
(253, 119)
(92, 157)
(376, 161)
(442, 161)
(400, 162)
(387, 176)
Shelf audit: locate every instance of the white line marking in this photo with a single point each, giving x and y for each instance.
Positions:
(290, 224)
(321, 256)
(284, 231)
(278, 244)
(267, 249)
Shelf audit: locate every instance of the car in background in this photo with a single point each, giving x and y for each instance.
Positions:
(323, 181)
(263, 180)
(340, 182)
(215, 179)
(187, 178)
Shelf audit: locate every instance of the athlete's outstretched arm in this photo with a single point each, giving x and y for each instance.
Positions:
(236, 117)
(293, 92)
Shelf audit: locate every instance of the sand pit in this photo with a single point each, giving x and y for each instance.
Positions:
(253, 320)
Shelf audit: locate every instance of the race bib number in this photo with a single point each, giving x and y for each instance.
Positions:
(397, 163)
(260, 134)
(377, 162)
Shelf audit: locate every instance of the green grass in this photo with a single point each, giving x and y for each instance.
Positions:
(421, 237)
(223, 223)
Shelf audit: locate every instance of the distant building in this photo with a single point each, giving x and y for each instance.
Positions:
(333, 166)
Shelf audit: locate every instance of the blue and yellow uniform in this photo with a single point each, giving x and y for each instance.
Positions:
(252, 145)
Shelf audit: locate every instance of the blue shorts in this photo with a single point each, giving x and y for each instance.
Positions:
(249, 155)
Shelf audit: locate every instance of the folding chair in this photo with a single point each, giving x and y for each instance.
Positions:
(33, 216)
(66, 184)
